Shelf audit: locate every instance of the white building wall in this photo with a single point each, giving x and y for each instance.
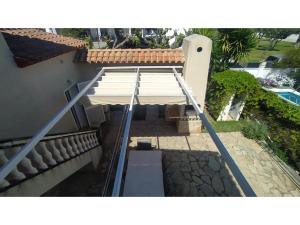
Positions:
(31, 96)
(224, 113)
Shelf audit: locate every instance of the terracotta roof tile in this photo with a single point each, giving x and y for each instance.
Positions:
(30, 46)
(131, 56)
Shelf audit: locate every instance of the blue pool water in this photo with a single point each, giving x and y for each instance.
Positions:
(290, 96)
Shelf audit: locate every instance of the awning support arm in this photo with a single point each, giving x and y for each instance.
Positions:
(248, 191)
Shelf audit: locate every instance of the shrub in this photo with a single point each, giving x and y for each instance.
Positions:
(224, 84)
(255, 130)
(278, 151)
(280, 109)
(281, 117)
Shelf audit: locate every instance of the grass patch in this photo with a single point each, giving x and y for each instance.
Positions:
(225, 126)
(261, 52)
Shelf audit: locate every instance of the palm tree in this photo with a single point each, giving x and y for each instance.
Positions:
(229, 45)
(236, 43)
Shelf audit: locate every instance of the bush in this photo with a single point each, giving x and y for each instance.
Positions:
(281, 117)
(278, 151)
(280, 109)
(286, 136)
(255, 130)
(224, 84)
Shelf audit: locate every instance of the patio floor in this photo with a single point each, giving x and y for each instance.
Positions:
(194, 167)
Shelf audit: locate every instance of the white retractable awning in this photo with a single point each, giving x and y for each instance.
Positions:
(117, 87)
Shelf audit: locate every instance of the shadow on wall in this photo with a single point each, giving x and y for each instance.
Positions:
(197, 173)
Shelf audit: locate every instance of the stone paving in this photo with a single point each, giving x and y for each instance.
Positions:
(194, 167)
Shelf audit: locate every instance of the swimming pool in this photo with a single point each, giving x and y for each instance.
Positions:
(290, 96)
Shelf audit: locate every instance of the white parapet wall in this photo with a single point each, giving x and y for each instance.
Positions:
(197, 51)
(224, 113)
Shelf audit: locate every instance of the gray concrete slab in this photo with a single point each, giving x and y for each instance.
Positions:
(144, 176)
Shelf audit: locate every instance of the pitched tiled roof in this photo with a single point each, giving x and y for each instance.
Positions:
(30, 46)
(131, 56)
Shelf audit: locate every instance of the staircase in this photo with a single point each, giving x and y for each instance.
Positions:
(52, 160)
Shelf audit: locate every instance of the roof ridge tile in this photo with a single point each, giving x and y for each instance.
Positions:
(134, 56)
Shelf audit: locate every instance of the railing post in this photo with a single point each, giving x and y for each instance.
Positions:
(121, 162)
(37, 159)
(47, 155)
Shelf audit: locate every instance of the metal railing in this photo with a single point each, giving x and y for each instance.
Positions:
(109, 174)
(21, 154)
(27, 148)
(121, 162)
(248, 191)
(245, 186)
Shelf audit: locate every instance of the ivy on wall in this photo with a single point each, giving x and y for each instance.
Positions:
(224, 84)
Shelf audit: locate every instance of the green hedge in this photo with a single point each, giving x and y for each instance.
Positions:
(224, 84)
(279, 108)
(281, 117)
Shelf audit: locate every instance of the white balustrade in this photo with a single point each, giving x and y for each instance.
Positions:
(55, 152)
(62, 149)
(87, 141)
(15, 174)
(84, 146)
(46, 154)
(37, 159)
(74, 145)
(79, 144)
(25, 165)
(87, 145)
(68, 147)
(96, 139)
(92, 139)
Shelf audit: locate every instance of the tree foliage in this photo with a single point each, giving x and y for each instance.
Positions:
(275, 34)
(229, 45)
(120, 39)
(236, 43)
(291, 59)
(80, 33)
